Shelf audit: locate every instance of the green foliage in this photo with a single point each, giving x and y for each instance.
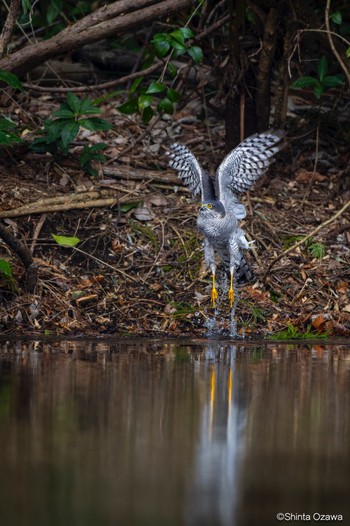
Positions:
(65, 241)
(7, 136)
(7, 275)
(257, 314)
(92, 153)
(293, 333)
(7, 126)
(157, 96)
(5, 268)
(60, 132)
(336, 17)
(317, 250)
(10, 79)
(322, 82)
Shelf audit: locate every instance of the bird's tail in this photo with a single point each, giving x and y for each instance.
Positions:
(244, 274)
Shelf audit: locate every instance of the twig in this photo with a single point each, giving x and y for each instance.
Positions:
(95, 87)
(302, 241)
(331, 43)
(37, 231)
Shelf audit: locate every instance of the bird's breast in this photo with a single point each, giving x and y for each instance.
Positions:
(216, 229)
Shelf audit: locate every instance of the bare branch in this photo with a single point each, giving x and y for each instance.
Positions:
(331, 43)
(9, 25)
(109, 21)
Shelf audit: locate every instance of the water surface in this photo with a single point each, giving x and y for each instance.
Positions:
(172, 433)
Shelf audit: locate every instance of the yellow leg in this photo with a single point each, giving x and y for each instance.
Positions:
(214, 292)
(231, 293)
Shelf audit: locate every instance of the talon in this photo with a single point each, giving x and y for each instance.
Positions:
(231, 293)
(214, 296)
(231, 296)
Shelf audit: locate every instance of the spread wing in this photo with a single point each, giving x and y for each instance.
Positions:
(246, 164)
(190, 171)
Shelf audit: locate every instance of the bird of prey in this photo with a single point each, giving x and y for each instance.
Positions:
(220, 209)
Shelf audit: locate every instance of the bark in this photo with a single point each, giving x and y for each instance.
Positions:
(263, 102)
(22, 251)
(233, 75)
(281, 98)
(109, 20)
(6, 32)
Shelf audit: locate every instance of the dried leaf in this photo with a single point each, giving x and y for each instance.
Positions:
(305, 177)
(342, 287)
(319, 323)
(143, 213)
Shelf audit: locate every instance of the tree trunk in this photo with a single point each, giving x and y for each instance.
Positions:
(263, 101)
(109, 20)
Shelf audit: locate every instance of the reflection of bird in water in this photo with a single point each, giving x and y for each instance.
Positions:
(220, 209)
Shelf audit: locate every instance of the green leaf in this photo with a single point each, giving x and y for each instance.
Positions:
(186, 32)
(322, 67)
(336, 17)
(333, 81)
(73, 102)
(5, 268)
(125, 207)
(94, 124)
(7, 138)
(317, 250)
(64, 114)
(318, 90)
(305, 82)
(98, 146)
(165, 106)
(177, 46)
(196, 54)
(156, 87)
(65, 241)
(10, 79)
(6, 124)
(178, 36)
(54, 9)
(161, 44)
(348, 53)
(147, 114)
(69, 133)
(135, 85)
(173, 95)
(88, 107)
(172, 70)
(144, 101)
(129, 107)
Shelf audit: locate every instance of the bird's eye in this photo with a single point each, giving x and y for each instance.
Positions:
(210, 206)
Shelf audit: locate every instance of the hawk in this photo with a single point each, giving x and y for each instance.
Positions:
(220, 210)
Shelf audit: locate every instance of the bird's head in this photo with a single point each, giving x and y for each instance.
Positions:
(212, 209)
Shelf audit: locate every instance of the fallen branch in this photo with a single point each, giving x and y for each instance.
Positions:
(107, 21)
(302, 241)
(23, 253)
(82, 200)
(94, 87)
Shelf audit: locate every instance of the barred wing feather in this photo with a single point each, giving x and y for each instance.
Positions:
(190, 171)
(246, 164)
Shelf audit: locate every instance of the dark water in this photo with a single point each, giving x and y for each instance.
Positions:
(163, 433)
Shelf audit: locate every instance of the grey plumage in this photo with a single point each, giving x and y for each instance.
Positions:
(220, 210)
